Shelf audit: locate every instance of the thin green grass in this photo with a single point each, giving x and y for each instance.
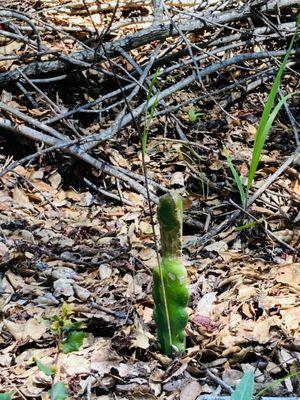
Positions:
(268, 116)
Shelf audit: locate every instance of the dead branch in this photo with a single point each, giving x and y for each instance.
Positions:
(75, 151)
(83, 58)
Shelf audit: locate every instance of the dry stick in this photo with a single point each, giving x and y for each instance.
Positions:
(194, 61)
(106, 193)
(215, 231)
(77, 152)
(141, 178)
(130, 86)
(67, 143)
(23, 17)
(120, 123)
(241, 83)
(292, 119)
(128, 118)
(133, 86)
(28, 96)
(271, 234)
(219, 381)
(155, 32)
(141, 72)
(228, 41)
(55, 108)
(40, 46)
(39, 153)
(87, 105)
(108, 133)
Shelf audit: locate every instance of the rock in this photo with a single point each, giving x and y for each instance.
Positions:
(64, 273)
(82, 293)
(47, 300)
(63, 287)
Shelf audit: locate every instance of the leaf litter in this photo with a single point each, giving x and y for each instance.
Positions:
(66, 248)
(58, 244)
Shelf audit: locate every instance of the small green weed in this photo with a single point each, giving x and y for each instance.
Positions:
(194, 115)
(68, 339)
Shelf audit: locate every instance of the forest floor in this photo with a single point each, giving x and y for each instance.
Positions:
(62, 242)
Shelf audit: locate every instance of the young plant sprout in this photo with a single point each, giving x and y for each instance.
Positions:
(170, 281)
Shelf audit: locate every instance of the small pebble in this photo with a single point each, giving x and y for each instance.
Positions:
(82, 293)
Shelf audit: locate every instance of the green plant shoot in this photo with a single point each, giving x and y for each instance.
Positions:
(237, 178)
(263, 130)
(170, 281)
(267, 119)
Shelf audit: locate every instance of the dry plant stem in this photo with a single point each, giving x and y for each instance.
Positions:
(76, 152)
(161, 32)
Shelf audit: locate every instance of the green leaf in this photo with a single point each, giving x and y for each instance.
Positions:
(193, 115)
(49, 371)
(262, 131)
(73, 342)
(58, 391)
(244, 390)
(6, 395)
(236, 178)
(73, 326)
(152, 83)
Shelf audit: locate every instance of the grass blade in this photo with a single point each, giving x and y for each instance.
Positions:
(271, 385)
(261, 130)
(236, 178)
